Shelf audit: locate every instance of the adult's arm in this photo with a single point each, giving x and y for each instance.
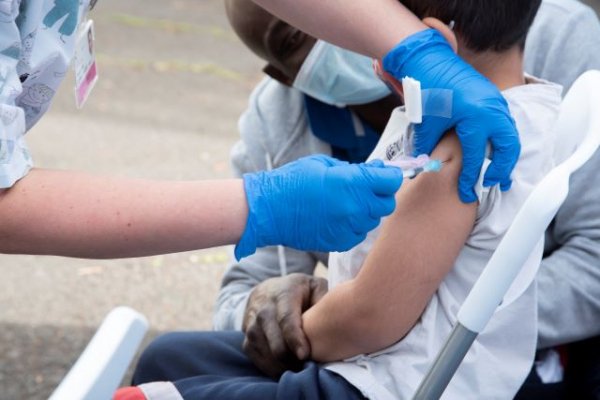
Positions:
(82, 215)
(405, 266)
(370, 27)
(298, 205)
(569, 277)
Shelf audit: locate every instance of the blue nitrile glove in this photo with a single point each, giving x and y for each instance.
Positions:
(317, 203)
(479, 112)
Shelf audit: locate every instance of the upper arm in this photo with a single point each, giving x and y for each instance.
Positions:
(417, 246)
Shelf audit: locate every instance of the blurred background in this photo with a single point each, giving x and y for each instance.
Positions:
(173, 82)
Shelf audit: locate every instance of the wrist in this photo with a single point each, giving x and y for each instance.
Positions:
(260, 230)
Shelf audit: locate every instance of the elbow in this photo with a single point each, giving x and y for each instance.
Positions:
(379, 327)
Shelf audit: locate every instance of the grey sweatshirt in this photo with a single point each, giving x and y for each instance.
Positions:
(563, 42)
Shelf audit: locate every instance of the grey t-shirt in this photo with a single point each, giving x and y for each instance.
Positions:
(563, 43)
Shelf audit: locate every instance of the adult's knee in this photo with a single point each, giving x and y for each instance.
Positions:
(157, 360)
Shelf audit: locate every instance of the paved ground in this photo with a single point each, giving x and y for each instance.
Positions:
(173, 82)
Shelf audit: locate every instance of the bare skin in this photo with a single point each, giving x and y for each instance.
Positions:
(82, 215)
(285, 48)
(275, 340)
(410, 257)
(369, 27)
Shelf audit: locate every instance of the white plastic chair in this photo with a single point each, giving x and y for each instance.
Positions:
(580, 120)
(101, 367)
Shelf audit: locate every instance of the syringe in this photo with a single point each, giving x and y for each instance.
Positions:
(414, 166)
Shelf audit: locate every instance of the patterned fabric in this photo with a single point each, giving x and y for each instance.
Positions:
(36, 47)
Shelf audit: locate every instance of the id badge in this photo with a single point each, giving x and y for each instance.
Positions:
(86, 71)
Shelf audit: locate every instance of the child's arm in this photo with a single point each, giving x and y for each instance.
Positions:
(417, 247)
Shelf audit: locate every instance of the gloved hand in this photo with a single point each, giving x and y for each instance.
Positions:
(479, 112)
(275, 341)
(317, 203)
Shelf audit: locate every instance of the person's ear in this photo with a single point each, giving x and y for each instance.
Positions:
(444, 29)
(278, 75)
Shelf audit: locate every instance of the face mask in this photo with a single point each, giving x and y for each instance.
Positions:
(339, 77)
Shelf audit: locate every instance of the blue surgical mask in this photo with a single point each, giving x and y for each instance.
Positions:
(339, 77)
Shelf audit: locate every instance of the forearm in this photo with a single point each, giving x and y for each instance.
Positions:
(363, 316)
(81, 215)
(343, 325)
(369, 27)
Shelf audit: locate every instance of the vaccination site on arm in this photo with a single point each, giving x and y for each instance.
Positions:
(395, 143)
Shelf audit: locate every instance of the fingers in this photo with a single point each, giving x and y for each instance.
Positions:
(377, 163)
(383, 180)
(289, 313)
(273, 335)
(351, 239)
(473, 151)
(428, 134)
(319, 288)
(325, 160)
(255, 347)
(382, 206)
(289, 318)
(506, 150)
(274, 338)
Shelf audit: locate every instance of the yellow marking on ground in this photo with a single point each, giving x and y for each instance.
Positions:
(167, 66)
(173, 26)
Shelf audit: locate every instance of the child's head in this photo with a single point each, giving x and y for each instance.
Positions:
(482, 25)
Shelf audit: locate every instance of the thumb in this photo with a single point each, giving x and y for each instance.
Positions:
(383, 181)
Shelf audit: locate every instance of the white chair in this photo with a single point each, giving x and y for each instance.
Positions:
(579, 119)
(100, 369)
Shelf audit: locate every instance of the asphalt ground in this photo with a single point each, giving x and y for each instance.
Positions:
(173, 81)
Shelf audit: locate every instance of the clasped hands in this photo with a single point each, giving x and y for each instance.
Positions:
(272, 324)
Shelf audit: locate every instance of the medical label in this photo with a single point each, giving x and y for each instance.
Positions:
(86, 71)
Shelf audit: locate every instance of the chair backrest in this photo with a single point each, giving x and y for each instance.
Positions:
(102, 365)
(578, 135)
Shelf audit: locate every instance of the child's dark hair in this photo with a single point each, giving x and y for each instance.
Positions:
(483, 25)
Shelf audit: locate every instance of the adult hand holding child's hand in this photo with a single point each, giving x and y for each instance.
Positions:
(275, 341)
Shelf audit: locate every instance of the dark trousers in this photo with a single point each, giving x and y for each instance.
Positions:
(581, 379)
(212, 365)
